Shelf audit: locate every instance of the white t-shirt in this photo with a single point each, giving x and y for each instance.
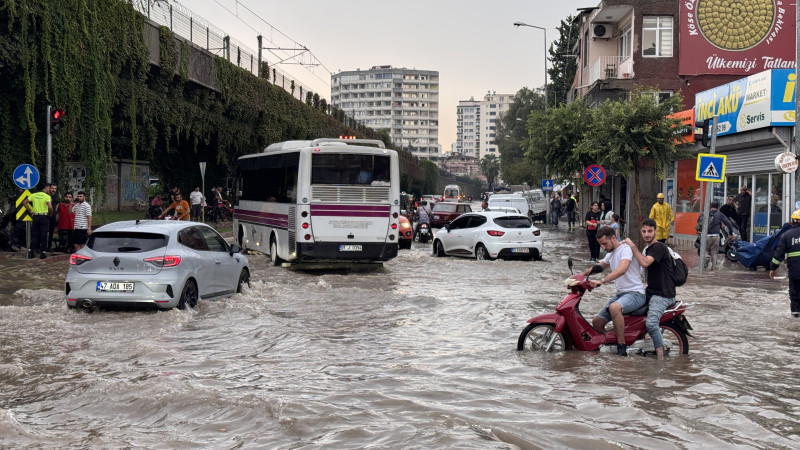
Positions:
(631, 280)
(196, 197)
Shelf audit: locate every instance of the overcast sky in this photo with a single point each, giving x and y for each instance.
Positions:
(472, 43)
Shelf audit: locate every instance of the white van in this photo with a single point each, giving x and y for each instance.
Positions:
(511, 201)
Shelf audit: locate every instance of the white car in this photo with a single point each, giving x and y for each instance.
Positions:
(489, 235)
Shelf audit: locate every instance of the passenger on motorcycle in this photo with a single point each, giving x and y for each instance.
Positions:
(630, 290)
(423, 214)
(660, 291)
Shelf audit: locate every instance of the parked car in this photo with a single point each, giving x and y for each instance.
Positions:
(160, 264)
(511, 201)
(445, 212)
(489, 235)
(406, 232)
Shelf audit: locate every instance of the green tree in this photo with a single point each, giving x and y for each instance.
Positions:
(292, 88)
(490, 167)
(512, 135)
(562, 64)
(553, 138)
(309, 98)
(625, 132)
(323, 105)
(316, 101)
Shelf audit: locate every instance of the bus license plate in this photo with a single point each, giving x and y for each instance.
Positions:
(520, 250)
(106, 286)
(349, 248)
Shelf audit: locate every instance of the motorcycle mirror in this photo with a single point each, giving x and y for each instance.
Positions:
(569, 264)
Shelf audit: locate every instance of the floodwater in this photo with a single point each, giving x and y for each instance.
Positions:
(420, 354)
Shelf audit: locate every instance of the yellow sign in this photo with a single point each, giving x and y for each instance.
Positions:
(22, 212)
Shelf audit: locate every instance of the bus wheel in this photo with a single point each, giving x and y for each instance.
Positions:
(273, 253)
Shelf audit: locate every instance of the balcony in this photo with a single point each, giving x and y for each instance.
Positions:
(611, 67)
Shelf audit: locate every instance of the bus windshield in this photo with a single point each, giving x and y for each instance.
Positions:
(350, 168)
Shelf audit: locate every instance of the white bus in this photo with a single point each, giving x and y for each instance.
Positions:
(319, 202)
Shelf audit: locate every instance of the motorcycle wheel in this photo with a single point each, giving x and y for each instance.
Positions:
(730, 253)
(536, 336)
(676, 337)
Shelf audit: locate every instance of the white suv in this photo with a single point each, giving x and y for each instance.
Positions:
(489, 235)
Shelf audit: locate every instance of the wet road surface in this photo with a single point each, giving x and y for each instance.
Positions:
(419, 354)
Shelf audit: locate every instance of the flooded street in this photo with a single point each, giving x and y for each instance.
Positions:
(419, 354)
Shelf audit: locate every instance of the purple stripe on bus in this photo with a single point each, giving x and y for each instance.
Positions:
(351, 214)
(349, 208)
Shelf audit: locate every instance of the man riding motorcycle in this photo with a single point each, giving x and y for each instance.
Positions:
(424, 214)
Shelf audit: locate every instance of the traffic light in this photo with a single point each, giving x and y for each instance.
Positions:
(704, 125)
(55, 119)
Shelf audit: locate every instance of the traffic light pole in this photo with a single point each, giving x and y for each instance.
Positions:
(707, 201)
(49, 172)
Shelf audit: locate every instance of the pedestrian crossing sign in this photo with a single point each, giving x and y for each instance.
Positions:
(710, 167)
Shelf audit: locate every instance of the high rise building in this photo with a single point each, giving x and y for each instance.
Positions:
(476, 124)
(404, 102)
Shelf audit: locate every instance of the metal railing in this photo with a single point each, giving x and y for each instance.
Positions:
(193, 28)
(606, 67)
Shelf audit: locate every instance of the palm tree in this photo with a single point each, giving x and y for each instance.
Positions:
(490, 166)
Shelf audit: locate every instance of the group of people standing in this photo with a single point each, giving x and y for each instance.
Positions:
(599, 215)
(70, 219)
(180, 209)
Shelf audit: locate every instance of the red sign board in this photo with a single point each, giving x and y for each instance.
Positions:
(684, 134)
(746, 38)
(594, 175)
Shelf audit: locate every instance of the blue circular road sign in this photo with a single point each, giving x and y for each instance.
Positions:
(26, 176)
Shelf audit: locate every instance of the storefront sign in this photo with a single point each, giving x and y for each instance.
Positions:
(684, 133)
(751, 36)
(786, 162)
(758, 101)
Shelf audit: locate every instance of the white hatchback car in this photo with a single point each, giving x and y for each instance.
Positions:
(161, 264)
(489, 235)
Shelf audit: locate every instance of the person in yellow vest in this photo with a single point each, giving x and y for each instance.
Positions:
(662, 213)
(40, 206)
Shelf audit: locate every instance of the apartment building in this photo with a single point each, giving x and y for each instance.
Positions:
(709, 54)
(476, 124)
(405, 102)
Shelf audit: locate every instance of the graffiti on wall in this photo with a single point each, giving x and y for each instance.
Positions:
(124, 187)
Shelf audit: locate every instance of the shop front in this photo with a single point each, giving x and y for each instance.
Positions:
(756, 119)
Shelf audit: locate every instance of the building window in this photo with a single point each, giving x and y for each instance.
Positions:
(625, 42)
(657, 36)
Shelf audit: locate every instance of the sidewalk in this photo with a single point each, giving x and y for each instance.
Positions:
(728, 272)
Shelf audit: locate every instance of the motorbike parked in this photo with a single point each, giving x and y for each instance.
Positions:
(567, 329)
(726, 244)
(225, 211)
(423, 233)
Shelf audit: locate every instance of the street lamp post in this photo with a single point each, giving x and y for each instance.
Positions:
(523, 24)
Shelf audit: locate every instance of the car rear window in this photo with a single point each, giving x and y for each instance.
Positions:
(444, 207)
(126, 242)
(513, 222)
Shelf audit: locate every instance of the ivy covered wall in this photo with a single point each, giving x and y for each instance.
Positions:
(89, 58)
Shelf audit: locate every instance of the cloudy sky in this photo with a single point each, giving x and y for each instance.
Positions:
(472, 43)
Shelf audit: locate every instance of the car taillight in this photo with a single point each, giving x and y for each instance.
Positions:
(537, 232)
(76, 259)
(164, 261)
(495, 233)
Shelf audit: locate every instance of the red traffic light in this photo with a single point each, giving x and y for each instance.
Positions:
(55, 119)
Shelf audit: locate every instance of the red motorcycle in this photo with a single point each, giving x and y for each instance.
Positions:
(567, 329)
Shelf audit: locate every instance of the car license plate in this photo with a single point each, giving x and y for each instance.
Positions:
(107, 286)
(349, 248)
(520, 250)
(435, 217)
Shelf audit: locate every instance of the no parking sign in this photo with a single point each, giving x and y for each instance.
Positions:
(595, 175)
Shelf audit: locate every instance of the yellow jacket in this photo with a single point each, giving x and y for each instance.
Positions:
(662, 214)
